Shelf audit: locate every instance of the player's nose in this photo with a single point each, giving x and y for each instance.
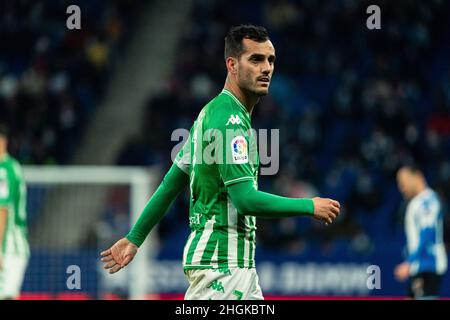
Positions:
(266, 68)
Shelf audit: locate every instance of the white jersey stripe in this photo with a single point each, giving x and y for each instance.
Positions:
(187, 246)
(246, 243)
(232, 233)
(238, 179)
(203, 241)
(252, 258)
(215, 255)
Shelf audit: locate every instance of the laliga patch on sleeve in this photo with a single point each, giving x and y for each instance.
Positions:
(239, 150)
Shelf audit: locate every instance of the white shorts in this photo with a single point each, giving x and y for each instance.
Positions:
(11, 275)
(223, 284)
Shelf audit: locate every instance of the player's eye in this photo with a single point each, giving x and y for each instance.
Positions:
(256, 59)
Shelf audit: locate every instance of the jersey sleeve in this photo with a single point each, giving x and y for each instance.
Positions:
(249, 201)
(233, 138)
(5, 188)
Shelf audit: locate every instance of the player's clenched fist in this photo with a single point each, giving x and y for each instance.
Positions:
(119, 255)
(326, 209)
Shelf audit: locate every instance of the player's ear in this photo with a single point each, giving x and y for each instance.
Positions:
(231, 63)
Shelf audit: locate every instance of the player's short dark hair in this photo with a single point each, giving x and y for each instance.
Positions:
(411, 165)
(233, 41)
(4, 130)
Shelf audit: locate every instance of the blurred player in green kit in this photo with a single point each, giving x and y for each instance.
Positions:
(15, 251)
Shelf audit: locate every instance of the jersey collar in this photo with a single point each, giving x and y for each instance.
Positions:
(229, 93)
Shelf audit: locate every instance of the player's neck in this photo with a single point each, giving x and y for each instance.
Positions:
(421, 188)
(247, 100)
(3, 155)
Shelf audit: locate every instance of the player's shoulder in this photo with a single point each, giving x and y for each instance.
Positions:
(14, 162)
(9, 162)
(220, 104)
(14, 165)
(430, 198)
(8, 167)
(224, 111)
(425, 201)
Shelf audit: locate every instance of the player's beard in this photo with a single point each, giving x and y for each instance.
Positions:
(261, 92)
(251, 85)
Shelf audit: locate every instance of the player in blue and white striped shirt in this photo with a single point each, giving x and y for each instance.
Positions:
(427, 259)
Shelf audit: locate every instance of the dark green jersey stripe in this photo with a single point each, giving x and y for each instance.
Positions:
(252, 241)
(211, 246)
(241, 240)
(223, 240)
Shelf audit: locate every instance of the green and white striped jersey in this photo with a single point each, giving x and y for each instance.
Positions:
(221, 150)
(13, 198)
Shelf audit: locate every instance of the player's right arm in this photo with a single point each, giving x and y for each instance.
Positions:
(249, 201)
(124, 250)
(175, 180)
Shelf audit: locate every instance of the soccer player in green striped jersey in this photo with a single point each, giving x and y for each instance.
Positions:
(14, 251)
(220, 164)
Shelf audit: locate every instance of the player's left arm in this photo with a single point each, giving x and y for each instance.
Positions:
(252, 202)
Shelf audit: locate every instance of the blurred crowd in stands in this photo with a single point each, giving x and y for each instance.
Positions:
(52, 78)
(351, 103)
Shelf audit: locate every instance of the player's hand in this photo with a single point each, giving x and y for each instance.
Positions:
(326, 209)
(119, 255)
(401, 272)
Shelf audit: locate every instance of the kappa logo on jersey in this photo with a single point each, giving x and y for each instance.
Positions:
(234, 120)
(239, 150)
(217, 286)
